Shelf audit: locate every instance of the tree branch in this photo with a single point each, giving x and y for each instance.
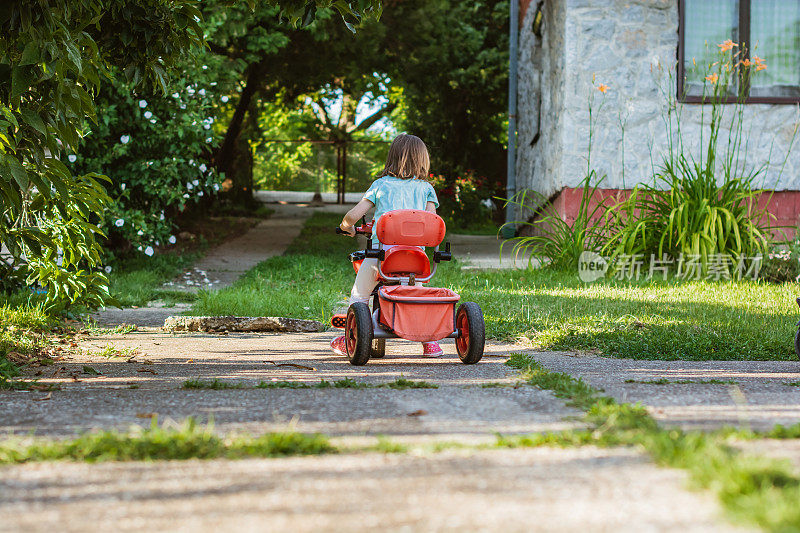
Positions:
(375, 117)
(321, 112)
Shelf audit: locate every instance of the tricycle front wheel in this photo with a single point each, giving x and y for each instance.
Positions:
(471, 333)
(358, 334)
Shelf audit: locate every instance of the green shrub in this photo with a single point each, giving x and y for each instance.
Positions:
(464, 202)
(686, 213)
(52, 58)
(781, 266)
(155, 149)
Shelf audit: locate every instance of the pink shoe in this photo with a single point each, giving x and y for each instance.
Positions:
(431, 349)
(338, 346)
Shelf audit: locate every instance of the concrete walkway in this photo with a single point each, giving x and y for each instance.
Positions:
(694, 394)
(229, 261)
(544, 489)
(461, 406)
(547, 489)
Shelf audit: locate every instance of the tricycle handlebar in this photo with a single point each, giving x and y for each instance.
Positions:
(363, 229)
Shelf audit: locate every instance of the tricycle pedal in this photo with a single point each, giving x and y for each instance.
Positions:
(339, 321)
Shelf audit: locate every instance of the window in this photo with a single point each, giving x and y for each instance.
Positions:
(769, 29)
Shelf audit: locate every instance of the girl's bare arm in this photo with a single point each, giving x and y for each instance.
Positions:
(354, 215)
(430, 207)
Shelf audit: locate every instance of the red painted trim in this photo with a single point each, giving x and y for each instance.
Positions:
(523, 8)
(784, 206)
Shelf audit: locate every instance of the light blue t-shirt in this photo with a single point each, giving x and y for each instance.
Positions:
(389, 193)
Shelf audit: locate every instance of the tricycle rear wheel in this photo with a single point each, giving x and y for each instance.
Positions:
(358, 334)
(471, 333)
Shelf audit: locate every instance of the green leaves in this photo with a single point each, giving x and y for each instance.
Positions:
(53, 55)
(21, 79)
(303, 12)
(30, 55)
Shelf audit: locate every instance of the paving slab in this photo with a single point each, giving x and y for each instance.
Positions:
(583, 489)
(462, 405)
(759, 396)
(488, 252)
(152, 315)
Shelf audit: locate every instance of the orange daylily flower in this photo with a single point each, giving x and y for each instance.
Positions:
(758, 60)
(712, 77)
(727, 45)
(602, 88)
(746, 62)
(760, 66)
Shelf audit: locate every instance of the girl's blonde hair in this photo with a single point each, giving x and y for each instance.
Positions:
(408, 158)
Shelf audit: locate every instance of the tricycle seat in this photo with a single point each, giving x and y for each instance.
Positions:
(404, 261)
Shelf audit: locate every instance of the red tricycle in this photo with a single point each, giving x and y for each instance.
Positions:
(403, 308)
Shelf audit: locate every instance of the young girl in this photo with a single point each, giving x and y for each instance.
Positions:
(402, 186)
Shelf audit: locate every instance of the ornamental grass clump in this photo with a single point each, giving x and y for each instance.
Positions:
(554, 241)
(703, 206)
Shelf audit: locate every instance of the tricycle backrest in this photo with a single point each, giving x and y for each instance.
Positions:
(410, 227)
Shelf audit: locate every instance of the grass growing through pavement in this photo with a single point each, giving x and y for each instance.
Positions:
(189, 441)
(669, 320)
(110, 351)
(402, 383)
(758, 490)
(564, 386)
(213, 384)
(288, 385)
(93, 328)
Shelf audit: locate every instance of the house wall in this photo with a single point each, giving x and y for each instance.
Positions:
(628, 45)
(541, 101)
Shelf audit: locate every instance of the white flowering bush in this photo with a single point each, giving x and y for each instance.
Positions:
(155, 149)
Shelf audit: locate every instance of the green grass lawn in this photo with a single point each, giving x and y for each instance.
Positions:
(552, 310)
(138, 279)
(22, 331)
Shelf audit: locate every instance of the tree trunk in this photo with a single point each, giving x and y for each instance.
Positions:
(233, 157)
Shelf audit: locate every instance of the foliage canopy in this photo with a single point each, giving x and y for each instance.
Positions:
(54, 55)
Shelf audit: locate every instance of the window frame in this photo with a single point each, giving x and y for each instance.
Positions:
(743, 37)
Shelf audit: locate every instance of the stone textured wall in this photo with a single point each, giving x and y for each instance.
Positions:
(628, 45)
(541, 100)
